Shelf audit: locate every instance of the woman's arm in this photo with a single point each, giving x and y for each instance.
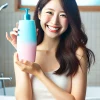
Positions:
(23, 90)
(79, 81)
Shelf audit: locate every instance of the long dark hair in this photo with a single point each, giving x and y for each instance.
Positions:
(70, 40)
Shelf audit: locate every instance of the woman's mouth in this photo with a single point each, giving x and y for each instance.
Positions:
(53, 29)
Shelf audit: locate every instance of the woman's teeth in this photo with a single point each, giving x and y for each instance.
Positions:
(52, 28)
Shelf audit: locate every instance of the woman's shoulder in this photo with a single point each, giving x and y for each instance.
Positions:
(82, 57)
(80, 52)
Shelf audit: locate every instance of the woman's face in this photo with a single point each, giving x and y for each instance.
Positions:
(53, 19)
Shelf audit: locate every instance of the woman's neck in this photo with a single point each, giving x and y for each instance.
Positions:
(49, 44)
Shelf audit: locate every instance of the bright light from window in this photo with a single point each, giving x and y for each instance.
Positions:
(29, 2)
(88, 2)
(79, 2)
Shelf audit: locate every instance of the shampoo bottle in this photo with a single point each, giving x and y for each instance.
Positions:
(27, 38)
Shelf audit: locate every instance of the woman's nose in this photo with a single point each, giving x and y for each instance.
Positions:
(55, 20)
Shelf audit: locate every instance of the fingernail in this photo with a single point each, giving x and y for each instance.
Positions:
(17, 34)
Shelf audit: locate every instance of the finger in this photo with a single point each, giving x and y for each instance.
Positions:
(8, 38)
(13, 36)
(12, 33)
(26, 62)
(17, 24)
(15, 29)
(21, 65)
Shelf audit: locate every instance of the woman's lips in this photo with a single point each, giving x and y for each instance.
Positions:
(53, 28)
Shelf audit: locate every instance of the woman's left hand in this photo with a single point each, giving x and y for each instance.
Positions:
(28, 67)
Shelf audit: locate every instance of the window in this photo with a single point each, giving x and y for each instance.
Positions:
(84, 5)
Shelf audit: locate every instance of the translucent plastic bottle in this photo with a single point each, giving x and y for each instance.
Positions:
(27, 38)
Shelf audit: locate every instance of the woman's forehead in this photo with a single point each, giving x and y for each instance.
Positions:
(54, 5)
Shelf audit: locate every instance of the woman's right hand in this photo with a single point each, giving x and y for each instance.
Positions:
(13, 36)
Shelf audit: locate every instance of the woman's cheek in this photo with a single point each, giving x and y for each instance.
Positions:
(47, 18)
(64, 22)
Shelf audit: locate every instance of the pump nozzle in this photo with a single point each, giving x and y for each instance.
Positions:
(26, 16)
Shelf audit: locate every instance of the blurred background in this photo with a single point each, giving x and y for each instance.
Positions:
(8, 19)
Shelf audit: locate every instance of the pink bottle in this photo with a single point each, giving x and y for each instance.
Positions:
(26, 39)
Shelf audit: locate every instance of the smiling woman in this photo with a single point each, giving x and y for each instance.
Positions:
(88, 5)
(62, 56)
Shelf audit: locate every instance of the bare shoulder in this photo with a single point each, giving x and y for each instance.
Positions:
(81, 53)
(82, 57)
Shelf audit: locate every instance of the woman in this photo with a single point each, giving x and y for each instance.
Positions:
(62, 58)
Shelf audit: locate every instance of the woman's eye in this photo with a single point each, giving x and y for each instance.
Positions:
(63, 15)
(49, 12)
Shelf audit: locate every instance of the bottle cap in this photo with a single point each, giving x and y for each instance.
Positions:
(26, 15)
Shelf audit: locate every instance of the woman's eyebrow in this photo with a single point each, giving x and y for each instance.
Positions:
(49, 9)
(53, 9)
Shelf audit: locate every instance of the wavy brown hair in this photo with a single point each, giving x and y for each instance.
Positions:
(70, 40)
